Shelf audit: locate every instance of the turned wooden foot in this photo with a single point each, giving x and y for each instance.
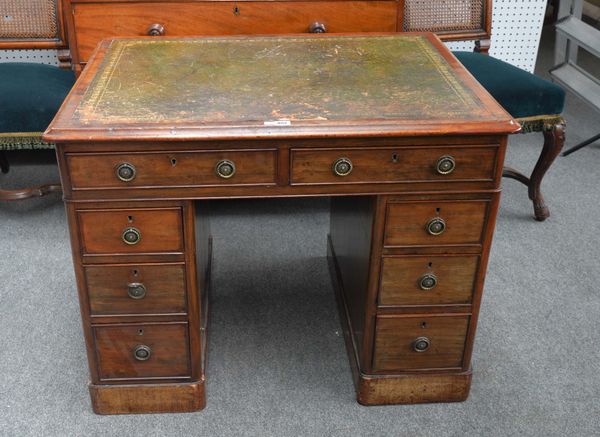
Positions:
(4, 166)
(554, 140)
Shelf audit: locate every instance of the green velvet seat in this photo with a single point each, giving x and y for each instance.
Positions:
(535, 103)
(521, 93)
(30, 96)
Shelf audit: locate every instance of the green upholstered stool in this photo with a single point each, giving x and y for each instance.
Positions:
(30, 96)
(535, 103)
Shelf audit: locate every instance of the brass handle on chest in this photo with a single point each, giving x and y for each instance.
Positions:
(445, 165)
(131, 236)
(126, 172)
(428, 281)
(135, 290)
(156, 30)
(342, 167)
(436, 226)
(317, 27)
(225, 169)
(142, 352)
(421, 344)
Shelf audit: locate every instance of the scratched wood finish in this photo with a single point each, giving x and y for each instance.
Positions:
(165, 289)
(97, 21)
(399, 165)
(406, 223)
(148, 398)
(253, 167)
(394, 338)
(400, 276)
(160, 229)
(169, 358)
(414, 389)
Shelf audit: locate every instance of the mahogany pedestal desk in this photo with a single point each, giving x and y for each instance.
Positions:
(391, 126)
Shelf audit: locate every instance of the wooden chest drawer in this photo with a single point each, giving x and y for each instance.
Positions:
(96, 21)
(131, 231)
(427, 280)
(142, 351)
(136, 289)
(443, 222)
(419, 342)
(394, 165)
(172, 169)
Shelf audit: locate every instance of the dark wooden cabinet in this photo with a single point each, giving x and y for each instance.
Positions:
(415, 193)
(91, 21)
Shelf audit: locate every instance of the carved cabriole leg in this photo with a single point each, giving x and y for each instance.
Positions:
(4, 166)
(554, 140)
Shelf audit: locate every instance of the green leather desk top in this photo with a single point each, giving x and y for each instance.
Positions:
(269, 86)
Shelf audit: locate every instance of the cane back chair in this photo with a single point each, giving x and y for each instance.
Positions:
(30, 93)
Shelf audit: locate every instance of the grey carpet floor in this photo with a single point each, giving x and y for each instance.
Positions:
(277, 363)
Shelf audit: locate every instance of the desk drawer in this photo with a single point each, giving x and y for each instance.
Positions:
(172, 169)
(142, 351)
(427, 280)
(131, 231)
(96, 21)
(435, 223)
(441, 338)
(393, 165)
(136, 289)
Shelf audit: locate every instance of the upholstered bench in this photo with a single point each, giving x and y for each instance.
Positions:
(536, 103)
(30, 96)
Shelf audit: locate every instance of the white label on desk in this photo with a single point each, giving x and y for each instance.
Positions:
(278, 123)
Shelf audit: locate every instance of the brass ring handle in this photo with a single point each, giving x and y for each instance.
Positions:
(317, 27)
(126, 172)
(436, 226)
(428, 281)
(156, 30)
(142, 352)
(131, 236)
(421, 344)
(445, 165)
(225, 169)
(136, 290)
(342, 167)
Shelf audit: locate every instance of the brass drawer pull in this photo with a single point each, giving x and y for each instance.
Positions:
(428, 281)
(225, 169)
(156, 30)
(142, 352)
(342, 167)
(436, 226)
(446, 165)
(136, 290)
(317, 27)
(126, 172)
(131, 236)
(421, 344)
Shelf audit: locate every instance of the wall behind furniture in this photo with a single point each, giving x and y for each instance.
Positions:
(516, 30)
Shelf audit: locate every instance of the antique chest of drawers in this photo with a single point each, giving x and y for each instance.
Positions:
(90, 21)
(408, 144)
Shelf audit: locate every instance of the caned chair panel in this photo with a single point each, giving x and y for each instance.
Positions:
(445, 15)
(31, 23)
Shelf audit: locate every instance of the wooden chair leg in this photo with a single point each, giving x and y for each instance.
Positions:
(26, 193)
(554, 140)
(4, 165)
